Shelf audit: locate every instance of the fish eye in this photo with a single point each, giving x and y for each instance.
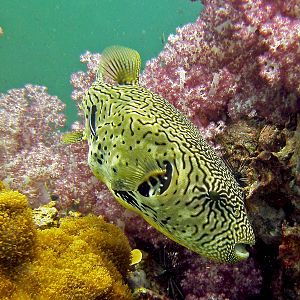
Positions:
(156, 185)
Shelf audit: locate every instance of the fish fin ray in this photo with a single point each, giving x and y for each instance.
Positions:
(136, 173)
(72, 137)
(120, 64)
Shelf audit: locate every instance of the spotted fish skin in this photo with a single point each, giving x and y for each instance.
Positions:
(155, 162)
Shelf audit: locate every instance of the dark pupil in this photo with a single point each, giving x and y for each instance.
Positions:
(162, 182)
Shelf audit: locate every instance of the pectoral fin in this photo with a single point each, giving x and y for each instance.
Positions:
(72, 137)
(131, 175)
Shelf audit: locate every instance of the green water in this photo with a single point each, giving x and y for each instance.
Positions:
(43, 40)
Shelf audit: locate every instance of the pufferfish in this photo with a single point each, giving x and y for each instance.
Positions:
(156, 163)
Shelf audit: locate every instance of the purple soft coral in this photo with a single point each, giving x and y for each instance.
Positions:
(32, 158)
(240, 58)
(207, 280)
(29, 122)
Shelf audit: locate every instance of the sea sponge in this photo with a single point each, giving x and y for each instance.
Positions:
(7, 287)
(72, 264)
(2, 186)
(17, 230)
(85, 258)
(111, 242)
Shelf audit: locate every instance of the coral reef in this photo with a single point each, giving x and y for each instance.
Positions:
(81, 80)
(29, 120)
(235, 61)
(270, 156)
(238, 59)
(202, 280)
(235, 73)
(32, 158)
(185, 275)
(289, 253)
(85, 258)
(17, 230)
(46, 216)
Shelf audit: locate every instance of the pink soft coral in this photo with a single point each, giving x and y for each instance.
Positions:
(29, 123)
(240, 58)
(32, 158)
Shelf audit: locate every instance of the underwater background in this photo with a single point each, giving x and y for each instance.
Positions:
(231, 67)
(42, 41)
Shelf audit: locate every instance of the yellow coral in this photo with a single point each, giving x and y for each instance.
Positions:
(2, 186)
(111, 242)
(7, 287)
(46, 215)
(17, 230)
(85, 258)
(71, 264)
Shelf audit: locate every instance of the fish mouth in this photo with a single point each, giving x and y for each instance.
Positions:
(240, 251)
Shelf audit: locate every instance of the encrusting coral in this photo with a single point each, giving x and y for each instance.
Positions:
(85, 258)
(289, 253)
(17, 230)
(46, 216)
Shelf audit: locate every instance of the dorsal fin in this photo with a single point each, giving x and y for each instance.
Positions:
(120, 64)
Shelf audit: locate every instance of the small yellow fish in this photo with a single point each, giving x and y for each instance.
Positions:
(155, 162)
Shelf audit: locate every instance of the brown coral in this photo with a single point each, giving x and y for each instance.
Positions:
(272, 166)
(7, 287)
(289, 254)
